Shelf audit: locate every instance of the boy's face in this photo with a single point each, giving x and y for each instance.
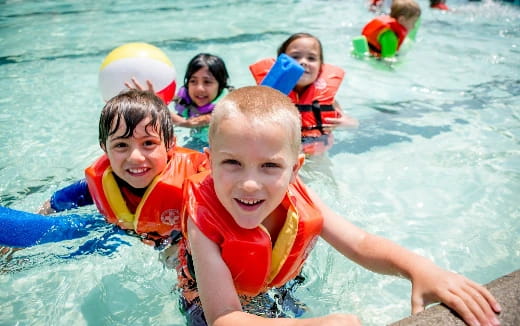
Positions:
(137, 159)
(252, 167)
(202, 87)
(306, 51)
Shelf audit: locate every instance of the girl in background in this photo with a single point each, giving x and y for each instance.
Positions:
(205, 83)
(314, 93)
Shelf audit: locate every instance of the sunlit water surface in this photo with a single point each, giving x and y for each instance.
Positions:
(434, 165)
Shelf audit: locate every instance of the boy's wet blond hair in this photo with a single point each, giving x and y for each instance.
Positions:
(405, 8)
(260, 105)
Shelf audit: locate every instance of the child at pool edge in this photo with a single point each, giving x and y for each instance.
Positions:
(205, 83)
(137, 182)
(385, 33)
(314, 93)
(251, 207)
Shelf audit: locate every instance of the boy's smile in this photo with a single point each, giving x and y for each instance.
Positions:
(137, 159)
(252, 166)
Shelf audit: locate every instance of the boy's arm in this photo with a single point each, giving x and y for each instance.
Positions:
(430, 283)
(218, 295)
(389, 42)
(215, 285)
(72, 196)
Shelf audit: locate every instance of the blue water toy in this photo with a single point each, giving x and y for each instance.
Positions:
(284, 74)
(23, 229)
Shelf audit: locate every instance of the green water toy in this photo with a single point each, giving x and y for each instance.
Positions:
(360, 45)
(413, 33)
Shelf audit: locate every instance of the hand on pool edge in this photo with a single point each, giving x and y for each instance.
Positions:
(473, 302)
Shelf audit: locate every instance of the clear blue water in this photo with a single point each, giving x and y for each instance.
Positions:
(434, 165)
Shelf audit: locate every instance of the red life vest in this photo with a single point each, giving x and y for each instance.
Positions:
(255, 264)
(379, 25)
(440, 6)
(159, 210)
(315, 104)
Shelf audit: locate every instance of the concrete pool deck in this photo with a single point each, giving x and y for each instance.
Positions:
(506, 290)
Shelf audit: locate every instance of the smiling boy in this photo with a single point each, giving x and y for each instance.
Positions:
(250, 224)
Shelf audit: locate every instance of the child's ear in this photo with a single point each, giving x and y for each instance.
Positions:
(297, 166)
(103, 147)
(207, 151)
(401, 20)
(171, 150)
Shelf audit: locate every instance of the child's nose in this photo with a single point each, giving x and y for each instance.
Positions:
(136, 155)
(250, 184)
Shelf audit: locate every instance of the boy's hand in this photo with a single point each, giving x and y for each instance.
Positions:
(46, 209)
(473, 302)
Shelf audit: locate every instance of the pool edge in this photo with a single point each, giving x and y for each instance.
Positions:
(506, 290)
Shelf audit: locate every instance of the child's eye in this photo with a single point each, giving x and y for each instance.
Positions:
(119, 145)
(231, 162)
(270, 165)
(149, 143)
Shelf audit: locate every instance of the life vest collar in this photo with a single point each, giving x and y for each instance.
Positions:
(158, 212)
(186, 101)
(254, 261)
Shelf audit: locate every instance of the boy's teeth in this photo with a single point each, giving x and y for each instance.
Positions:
(249, 202)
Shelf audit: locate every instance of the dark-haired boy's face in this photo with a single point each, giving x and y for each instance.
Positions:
(137, 159)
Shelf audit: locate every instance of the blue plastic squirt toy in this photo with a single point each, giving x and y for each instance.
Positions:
(284, 74)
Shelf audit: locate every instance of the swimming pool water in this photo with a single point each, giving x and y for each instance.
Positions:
(434, 165)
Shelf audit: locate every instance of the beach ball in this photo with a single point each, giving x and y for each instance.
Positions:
(142, 61)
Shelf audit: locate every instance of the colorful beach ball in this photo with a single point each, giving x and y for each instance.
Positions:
(142, 61)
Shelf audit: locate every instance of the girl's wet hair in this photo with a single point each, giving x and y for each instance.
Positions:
(215, 65)
(285, 44)
(132, 106)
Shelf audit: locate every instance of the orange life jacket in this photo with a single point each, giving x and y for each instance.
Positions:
(158, 212)
(379, 25)
(255, 264)
(315, 104)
